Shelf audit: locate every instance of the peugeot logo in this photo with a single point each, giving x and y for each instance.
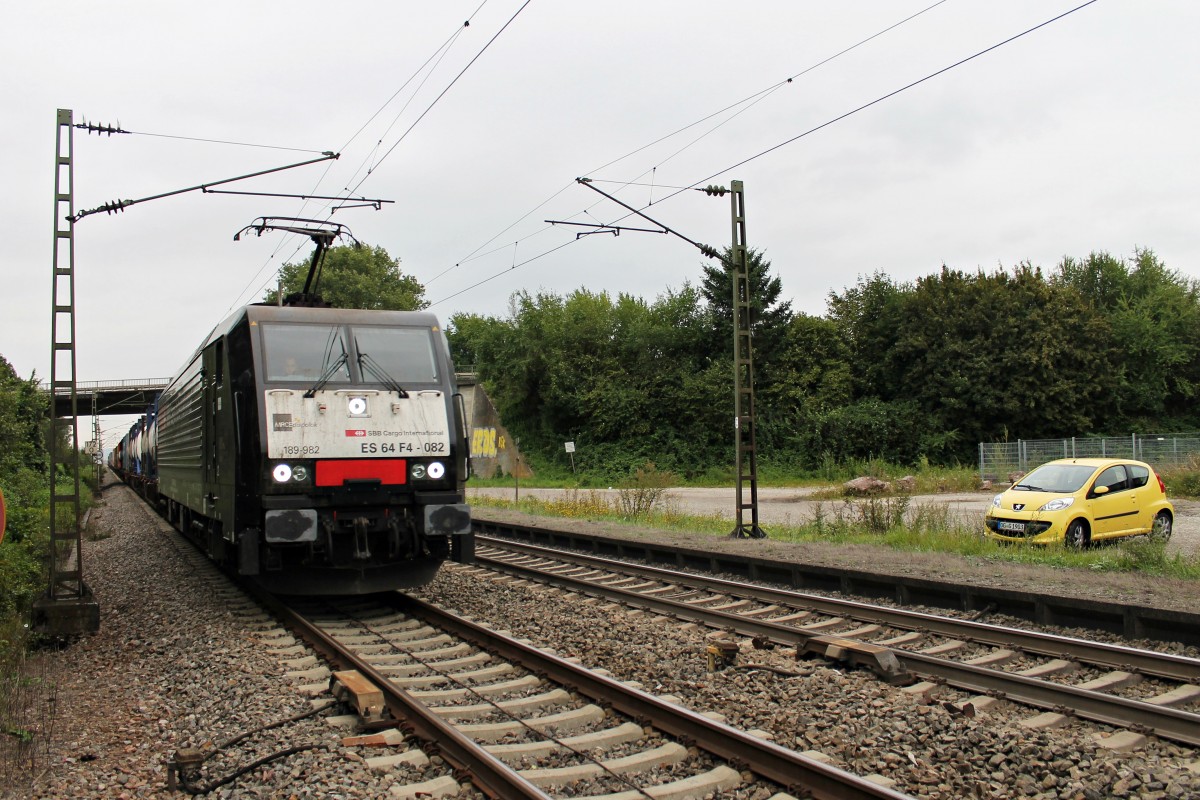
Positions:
(1018, 506)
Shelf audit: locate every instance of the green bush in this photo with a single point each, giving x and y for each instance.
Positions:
(24, 479)
(21, 576)
(645, 487)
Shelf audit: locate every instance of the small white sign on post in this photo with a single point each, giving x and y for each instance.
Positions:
(570, 446)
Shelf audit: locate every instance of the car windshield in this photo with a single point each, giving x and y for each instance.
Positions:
(1060, 478)
(304, 352)
(403, 354)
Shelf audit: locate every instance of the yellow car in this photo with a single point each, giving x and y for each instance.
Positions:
(1081, 500)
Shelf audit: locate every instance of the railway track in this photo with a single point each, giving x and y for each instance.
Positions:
(1125, 619)
(1140, 691)
(218, 659)
(513, 721)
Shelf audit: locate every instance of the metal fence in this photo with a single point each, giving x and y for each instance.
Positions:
(1161, 450)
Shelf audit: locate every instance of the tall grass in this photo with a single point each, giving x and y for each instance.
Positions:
(1183, 480)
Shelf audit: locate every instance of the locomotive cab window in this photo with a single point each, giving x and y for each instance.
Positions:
(404, 354)
(305, 353)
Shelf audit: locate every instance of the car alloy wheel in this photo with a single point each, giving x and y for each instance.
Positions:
(1161, 531)
(1077, 535)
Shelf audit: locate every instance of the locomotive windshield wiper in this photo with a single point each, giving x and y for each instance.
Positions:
(376, 371)
(325, 376)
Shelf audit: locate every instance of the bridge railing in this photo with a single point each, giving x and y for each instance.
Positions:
(87, 387)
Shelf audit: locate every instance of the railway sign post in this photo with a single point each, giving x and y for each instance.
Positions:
(570, 448)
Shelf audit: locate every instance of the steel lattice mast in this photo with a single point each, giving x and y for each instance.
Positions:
(67, 608)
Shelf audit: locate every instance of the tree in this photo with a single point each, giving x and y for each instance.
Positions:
(629, 380)
(356, 277)
(813, 367)
(980, 354)
(769, 318)
(23, 410)
(866, 317)
(985, 353)
(1154, 313)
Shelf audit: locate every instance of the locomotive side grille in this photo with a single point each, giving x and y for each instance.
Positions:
(180, 423)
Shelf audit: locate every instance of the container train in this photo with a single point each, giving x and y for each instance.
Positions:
(317, 450)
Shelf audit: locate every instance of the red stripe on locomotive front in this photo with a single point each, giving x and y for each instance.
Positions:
(388, 471)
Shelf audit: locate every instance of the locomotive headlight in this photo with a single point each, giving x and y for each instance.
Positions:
(436, 470)
(357, 406)
(282, 473)
(300, 473)
(418, 471)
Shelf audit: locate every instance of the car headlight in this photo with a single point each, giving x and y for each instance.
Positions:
(418, 471)
(1058, 504)
(996, 500)
(356, 406)
(437, 470)
(299, 473)
(282, 473)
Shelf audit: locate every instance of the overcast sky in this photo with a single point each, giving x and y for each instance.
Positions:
(1077, 137)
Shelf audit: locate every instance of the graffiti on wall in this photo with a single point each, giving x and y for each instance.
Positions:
(485, 443)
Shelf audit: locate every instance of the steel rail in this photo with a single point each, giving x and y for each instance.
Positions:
(1166, 722)
(1129, 620)
(809, 777)
(1113, 656)
(487, 773)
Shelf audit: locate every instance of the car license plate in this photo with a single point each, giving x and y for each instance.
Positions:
(1012, 527)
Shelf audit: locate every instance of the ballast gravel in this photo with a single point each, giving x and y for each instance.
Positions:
(926, 746)
(181, 662)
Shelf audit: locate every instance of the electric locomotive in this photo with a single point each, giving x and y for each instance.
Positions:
(319, 450)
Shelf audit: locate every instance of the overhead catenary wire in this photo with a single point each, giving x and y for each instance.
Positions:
(442, 94)
(439, 55)
(442, 49)
(221, 141)
(777, 85)
(358, 185)
(808, 132)
(491, 278)
(302, 243)
(444, 46)
(881, 98)
(746, 103)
